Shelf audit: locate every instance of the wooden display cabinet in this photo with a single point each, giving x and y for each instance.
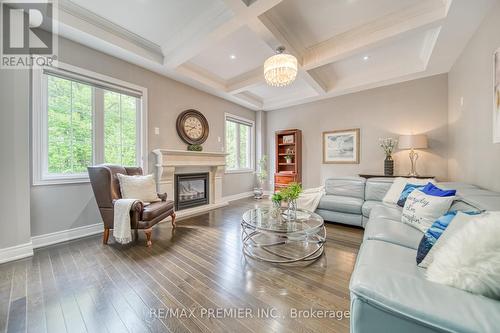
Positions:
(288, 143)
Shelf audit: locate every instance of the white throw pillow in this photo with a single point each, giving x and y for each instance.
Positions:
(458, 222)
(392, 196)
(470, 259)
(421, 210)
(138, 187)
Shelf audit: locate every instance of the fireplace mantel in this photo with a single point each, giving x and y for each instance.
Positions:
(167, 161)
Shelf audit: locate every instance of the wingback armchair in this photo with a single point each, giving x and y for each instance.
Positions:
(106, 189)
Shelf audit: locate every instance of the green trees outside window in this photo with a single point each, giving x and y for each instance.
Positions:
(238, 145)
(75, 112)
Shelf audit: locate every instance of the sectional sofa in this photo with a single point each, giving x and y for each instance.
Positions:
(389, 292)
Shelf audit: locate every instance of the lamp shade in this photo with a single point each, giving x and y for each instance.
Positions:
(413, 141)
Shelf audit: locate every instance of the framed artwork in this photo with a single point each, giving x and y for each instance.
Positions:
(288, 139)
(341, 147)
(496, 102)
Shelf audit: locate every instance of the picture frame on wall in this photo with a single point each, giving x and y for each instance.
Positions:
(341, 146)
(496, 97)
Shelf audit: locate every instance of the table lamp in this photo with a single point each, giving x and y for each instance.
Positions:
(413, 142)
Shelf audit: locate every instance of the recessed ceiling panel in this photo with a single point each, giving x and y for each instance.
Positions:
(313, 21)
(153, 20)
(238, 53)
(398, 58)
(298, 89)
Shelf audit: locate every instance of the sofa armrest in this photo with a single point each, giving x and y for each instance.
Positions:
(163, 196)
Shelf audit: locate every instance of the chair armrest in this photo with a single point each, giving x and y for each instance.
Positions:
(137, 206)
(162, 196)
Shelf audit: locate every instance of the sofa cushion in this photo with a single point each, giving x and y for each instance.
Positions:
(368, 206)
(387, 278)
(387, 211)
(376, 188)
(346, 186)
(392, 232)
(341, 204)
(344, 218)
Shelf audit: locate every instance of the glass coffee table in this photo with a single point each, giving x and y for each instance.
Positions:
(269, 236)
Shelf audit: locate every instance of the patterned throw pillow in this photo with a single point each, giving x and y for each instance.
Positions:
(421, 210)
(406, 192)
(434, 232)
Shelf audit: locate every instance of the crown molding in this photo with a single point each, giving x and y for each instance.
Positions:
(95, 21)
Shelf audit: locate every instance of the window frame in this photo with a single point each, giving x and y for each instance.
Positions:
(39, 115)
(251, 169)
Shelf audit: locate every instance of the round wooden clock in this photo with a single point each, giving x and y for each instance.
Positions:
(192, 127)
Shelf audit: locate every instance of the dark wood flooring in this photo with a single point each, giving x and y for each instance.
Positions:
(184, 283)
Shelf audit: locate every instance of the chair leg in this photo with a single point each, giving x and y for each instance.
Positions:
(105, 236)
(173, 220)
(147, 232)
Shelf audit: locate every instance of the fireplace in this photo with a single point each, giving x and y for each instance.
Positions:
(191, 190)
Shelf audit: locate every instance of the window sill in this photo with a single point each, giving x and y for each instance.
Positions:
(240, 171)
(60, 181)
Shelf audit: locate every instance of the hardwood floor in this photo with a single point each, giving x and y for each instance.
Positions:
(197, 270)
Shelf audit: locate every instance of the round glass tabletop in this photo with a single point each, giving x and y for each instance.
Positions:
(267, 219)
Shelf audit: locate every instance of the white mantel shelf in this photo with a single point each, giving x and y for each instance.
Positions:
(187, 152)
(168, 162)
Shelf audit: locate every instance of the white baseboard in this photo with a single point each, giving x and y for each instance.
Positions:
(66, 235)
(26, 250)
(16, 252)
(238, 196)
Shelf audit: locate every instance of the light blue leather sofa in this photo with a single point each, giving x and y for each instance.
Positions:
(389, 292)
(349, 200)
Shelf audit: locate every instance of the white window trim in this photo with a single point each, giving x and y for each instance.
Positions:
(252, 143)
(39, 126)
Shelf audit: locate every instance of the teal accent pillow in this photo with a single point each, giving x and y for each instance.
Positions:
(406, 192)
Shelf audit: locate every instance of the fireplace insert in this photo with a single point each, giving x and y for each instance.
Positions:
(191, 190)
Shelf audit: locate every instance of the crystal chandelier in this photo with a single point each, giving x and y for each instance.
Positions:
(281, 69)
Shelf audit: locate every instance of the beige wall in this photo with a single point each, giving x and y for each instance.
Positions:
(473, 157)
(419, 106)
(75, 204)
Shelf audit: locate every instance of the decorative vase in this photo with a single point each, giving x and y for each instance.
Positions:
(258, 192)
(291, 212)
(388, 166)
(288, 160)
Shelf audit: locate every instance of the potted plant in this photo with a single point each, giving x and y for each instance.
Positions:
(258, 191)
(289, 156)
(277, 198)
(290, 194)
(388, 145)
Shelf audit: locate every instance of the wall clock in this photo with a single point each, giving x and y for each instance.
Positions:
(192, 127)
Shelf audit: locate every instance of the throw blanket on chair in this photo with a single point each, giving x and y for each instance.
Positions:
(309, 199)
(121, 230)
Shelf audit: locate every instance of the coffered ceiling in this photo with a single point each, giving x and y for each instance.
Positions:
(219, 46)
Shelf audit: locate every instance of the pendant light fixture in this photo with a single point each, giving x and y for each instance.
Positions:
(281, 69)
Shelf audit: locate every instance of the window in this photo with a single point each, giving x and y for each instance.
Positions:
(239, 144)
(82, 118)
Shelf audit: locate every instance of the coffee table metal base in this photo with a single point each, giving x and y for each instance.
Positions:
(283, 248)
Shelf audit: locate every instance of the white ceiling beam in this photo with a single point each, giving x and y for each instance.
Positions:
(420, 16)
(250, 98)
(201, 75)
(273, 37)
(205, 39)
(245, 81)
